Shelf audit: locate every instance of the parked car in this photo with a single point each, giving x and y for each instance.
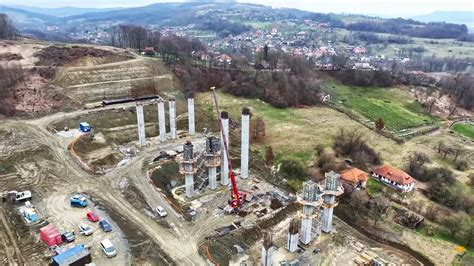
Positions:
(93, 217)
(85, 229)
(108, 248)
(78, 201)
(68, 236)
(104, 224)
(161, 211)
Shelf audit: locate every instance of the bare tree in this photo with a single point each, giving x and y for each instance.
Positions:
(7, 30)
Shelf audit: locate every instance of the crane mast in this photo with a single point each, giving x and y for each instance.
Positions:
(236, 197)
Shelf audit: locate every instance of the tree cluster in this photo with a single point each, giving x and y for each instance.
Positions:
(365, 78)
(461, 87)
(10, 75)
(352, 145)
(7, 30)
(371, 38)
(224, 28)
(280, 89)
(438, 64)
(435, 30)
(442, 186)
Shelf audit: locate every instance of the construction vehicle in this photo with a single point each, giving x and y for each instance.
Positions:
(19, 196)
(236, 198)
(78, 201)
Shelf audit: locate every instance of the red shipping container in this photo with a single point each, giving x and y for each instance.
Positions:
(50, 235)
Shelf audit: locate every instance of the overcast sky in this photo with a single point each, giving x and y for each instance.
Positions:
(381, 7)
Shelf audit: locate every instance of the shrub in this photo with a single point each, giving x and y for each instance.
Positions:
(293, 168)
(462, 165)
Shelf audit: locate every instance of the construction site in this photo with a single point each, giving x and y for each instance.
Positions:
(173, 187)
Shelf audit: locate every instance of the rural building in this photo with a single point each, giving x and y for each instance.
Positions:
(394, 177)
(50, 235)
(149, 51)
(355, 177)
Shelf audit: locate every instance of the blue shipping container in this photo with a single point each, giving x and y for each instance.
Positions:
(78, 255)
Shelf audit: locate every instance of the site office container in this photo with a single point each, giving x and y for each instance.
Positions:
(50, 235)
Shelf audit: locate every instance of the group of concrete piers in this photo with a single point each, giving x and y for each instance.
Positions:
(215, 153)
(162, 120)
(314, 196)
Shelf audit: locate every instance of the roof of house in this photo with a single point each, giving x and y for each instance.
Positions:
(394, 174)
(354, 175)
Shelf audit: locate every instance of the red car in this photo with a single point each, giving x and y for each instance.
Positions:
(93, 217)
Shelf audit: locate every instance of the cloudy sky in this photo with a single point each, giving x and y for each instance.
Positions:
(381, 7)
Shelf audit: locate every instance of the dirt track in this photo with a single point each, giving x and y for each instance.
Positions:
(180, 243)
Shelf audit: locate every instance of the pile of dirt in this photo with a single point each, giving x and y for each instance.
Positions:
(10, 57)
(60, 56)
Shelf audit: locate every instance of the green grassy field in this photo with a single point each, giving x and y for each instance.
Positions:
(395, 106)
(464, 129)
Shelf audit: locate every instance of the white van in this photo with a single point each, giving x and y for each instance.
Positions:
(108, 248)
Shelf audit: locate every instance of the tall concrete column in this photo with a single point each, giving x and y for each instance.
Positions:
(212, 160)
(224, 134)
(306, 224)
(293, 236)
(330, 192)
(244, 153)
(161, 120)
(172, 110)
(309, 197)
(187, 168)
(267, 250)
(191, 127)
(141, 124)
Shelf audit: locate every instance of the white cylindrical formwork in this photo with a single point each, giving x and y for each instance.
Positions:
(141, 124)
(244, 152)
(267, 256)
(327, 214)
(292, 244)
(191, 128)
(161, 120)
(172, 108)
(306, 225)
(224, 163)
(212, 178)
(189, 182)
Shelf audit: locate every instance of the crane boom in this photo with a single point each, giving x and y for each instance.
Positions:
(236, 198)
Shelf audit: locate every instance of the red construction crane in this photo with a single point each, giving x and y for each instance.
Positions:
(236, 198)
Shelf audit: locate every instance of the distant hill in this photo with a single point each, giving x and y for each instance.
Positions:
(24, 19)
(62, 11)
(458, 17)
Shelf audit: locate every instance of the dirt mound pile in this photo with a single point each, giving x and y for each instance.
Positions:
(60, 56)
(10, 57)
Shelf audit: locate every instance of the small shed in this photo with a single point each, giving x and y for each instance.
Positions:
(78, 255)
(50, 235)
(84, 127)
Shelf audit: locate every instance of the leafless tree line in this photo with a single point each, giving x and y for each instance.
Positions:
(7, 30)
(10, 75)
(461, 87)
(133, 36)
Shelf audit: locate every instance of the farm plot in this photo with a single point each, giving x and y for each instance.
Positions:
(395, 106)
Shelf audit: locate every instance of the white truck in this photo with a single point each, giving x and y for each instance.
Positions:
(19, 196)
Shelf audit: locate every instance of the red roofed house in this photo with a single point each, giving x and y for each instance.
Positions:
(394, 177)
(354, 177)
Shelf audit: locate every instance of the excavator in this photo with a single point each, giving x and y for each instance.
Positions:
(237, 197)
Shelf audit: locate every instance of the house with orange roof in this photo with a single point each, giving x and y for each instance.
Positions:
(394, 178)
(355, 177)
